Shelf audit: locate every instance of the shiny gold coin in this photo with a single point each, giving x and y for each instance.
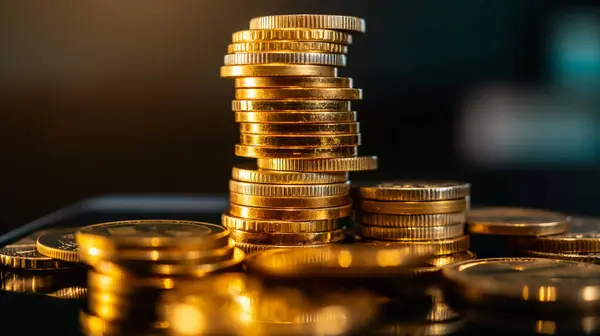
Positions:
(338, 140)
(304, 238)
(284, 214)
(260, 70)
(324, 153)
(413, 208)
(339, 261)
(289, 190)
(299, 82)
(337, 60)
(545, 281)
(251, 249)
(583, 236)
(516, 221)
(295, 117)
(201, 270)
(413, 191)
(593, 258)
(299, 93)
(296, 129)
(333, 22)
(297, 106)
(250, 173)
(338, 164)
(59, 244)
(275, 226)
(441, 247)
(75, 292)
(310, 35)
(27, 257)
(411, 220)
(289, 202)
(287, 46)
(411, 233)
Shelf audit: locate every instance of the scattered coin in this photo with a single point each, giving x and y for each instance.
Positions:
(582, 237)
(516, 222)
(59, 244)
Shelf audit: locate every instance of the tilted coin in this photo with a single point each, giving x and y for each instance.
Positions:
(289, 190)
(413, 190)
(296, 46)
(250, 173)
(291, 105)
(337, 60)
(386, 220)
(293, 34)
(298, 93)
(545, 281)
(583, 236)
(441, 247)
(297, 152)
(295, 128)
(297, 202)
(273, 226)
(338, 164)
(286, 214)
(26, 256)
(59, 244)
(300, 82)
(290, 239)
(412, 208)
(334, 22)
(411, 233)
(593, 258)
(516, 221)
(300, 141)
(277, 69)
(302, 118)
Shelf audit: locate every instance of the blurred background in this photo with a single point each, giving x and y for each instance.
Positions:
(125, 96)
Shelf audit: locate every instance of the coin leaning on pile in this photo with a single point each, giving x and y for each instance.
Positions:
(296, 118)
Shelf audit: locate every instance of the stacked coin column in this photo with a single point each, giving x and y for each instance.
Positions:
(416, 213)
(295, 117)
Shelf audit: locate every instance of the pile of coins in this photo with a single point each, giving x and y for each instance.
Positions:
(416, 213)
(134, 262)
(295, 117)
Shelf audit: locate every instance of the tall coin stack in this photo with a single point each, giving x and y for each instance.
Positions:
(134, 262)
(416, 213)
(295, 117)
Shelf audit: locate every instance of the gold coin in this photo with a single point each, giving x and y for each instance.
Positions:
(251, 249)
(294, 46)
(441, 247)
(338, 164)
(337, 140)
(410, 220)
(291, 190)
(411, 233)
(545, 281)
(260, 70)
(339, 261)
(583, 236)
(285, 214)
(413, 191)
(295, 117)
(333, 22)
(309, 35)
(410, 208)
(108, 237)
(27, 257)
(59, 244)
(75, 292)
(593, 258)
(304, 238)
(299, 93)
(249, 173)
(275, 226)
(337, 60)
(200, 270)
(297, 106)
(300, 152)
(300, 82)
(296, 129)
(516, 221)
(289, 202)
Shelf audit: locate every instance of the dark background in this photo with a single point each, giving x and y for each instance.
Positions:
(125, 96)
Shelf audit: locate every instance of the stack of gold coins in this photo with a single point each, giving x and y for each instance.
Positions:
(295, 117)
(134, 262)
(416, 213)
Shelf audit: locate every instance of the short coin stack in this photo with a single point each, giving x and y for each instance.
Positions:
(416, 213)
(295, 117)
(134, 262)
